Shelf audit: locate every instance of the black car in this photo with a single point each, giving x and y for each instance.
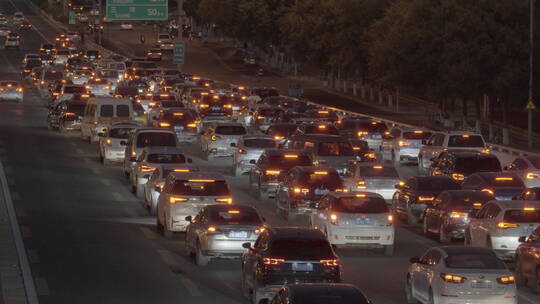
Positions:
(412, 197)
(460, 164)
(215, 107)
(281, 131)
(308, 293)
(29, 65)
(450, 212)
(503, 186)
(287, 254)
(530, 194)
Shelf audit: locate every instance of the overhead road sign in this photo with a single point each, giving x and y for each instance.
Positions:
(137, 9)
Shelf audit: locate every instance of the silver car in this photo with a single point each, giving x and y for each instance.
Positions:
(184, 194)
(62, 57)
(112, 144)
(218, 231)
(248, 150)
(11, 90)
(219, 139)
(403, 145)
(150, 158)
(156, 182)
(99, 87)
(81, 77)
(372, 177)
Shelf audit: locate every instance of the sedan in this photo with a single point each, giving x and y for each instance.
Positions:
(11, 90)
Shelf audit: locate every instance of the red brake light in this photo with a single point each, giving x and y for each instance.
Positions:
(272, 261)
(330, 263)
(450, 278)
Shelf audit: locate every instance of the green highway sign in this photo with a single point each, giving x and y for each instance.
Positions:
(137, 9)
(178, 53)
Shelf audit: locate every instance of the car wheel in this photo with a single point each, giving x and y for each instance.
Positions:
(443, 237)
(200, 258)
(408, 292)
(520, 279)
(411, 218)
(389, 250)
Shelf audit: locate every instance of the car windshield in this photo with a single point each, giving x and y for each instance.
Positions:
(379, 171)
(525, 215)
(230, 130)
(335, 149)
(153, 139)
(321, 129)
(360, 205)
(287, 162)
(474, 261)
(240, 216)
(299, 248)
(469, 165)
(120, 133)
(260, 143)
(167, 158)
(200, 188)
(535, 161)
(416, 135)
(474, 141)
(437, 184)
(320, 179)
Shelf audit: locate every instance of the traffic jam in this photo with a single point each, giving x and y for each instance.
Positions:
(333, 176)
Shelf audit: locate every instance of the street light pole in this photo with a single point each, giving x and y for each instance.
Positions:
(531, 57)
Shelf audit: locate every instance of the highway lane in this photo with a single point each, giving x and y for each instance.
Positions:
(89, 240)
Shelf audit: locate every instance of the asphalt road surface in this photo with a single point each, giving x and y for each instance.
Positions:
(89, 240)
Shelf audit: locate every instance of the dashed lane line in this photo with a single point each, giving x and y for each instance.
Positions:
(131, 212)
(148, 233)
(95, 170)
(191, 287)
(167, 257)
(105, 182)
(118, 197)
(79, 150)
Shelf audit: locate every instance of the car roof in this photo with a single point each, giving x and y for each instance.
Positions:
(491, 175)
(286, 232)
(353, 194)
(320, 137)
(516, 204)
(159, 149)
(461, 250)
(198, 175)
(150, 129)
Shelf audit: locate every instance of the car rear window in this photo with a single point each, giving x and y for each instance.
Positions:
(179, 117)
(122, 111)
(469, 165)
(469, 141)
(470, 201)
(474, 261)
(171, 104)
(186, 187)
(299, 248)
(235, 217)
(33, 63)
(335, 149)
(371, 127)
(379, 171)
(161, 158)
(230, 130)
(522, 216)
(360, 205)
(418, 135)
(320, 179)
(146, 65)
(73, 89)
(260, 143)
(322, 129)
(154, 139)
(120, 133)
(106, 111)
(437, 184)
(507, 181)
(270, 112)
(281, 130)
(283, 162)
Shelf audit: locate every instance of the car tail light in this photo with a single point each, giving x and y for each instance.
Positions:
(390, 220)
(147, 169)
(215, 137)
(370, 155)
(272, 261)
(330, 263)
(260, 229)
(213, 230)
(362, 133)
(334, 219)
(298, 190)
(403, 143)
(226, 200)
(451, 278)
(241, 151)
(164, 124)
(361, 184)
(531, 175)
(425, 198)
(505, 225)
(458, 176)
(159, 187)
(192, 125)
(279, 137)
(109, 141)
(203, 105)
(273, 172)
(175, 199)
(489, 191)
(458, 215)
(342, 190)
(228, 106)
(506, 280)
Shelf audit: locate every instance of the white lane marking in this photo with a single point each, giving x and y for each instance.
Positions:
(105, 182)
(148, 233)
(191, 287)
(167, 257)
(118, 197)
(95, 170)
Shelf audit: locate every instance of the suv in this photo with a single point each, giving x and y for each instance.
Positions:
(287, 254)
(459, 164)
(248, 150)
(215, 107)
(451, 140)
(220, 139)
(372, 177)
(184, 122)
(403, 145)
(303, 187)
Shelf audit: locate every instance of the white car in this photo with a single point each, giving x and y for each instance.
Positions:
(499, 225)
(528, 168)
(184, 194)
(81, 77)
(403, 145)
(372, 177)
(11, 90)
(461, 275)
(68, 91)
(112, 144)
(99, 87)
(163, 37)
(18, 18)
(451, 140)
(12, 43)
(219, 139)
(62, 57)
(126, 26)
(248, 150)
(156, 181)
(355, 219)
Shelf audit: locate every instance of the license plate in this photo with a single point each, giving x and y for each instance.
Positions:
(306, 267)
(216, 108)
(238, 234)
(179, 128)
(503, 198)
(321, 191)
(376, 136)
(481, 284)
(363, 221)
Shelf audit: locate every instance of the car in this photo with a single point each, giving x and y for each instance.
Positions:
(414, 194)
(459, 164)
(166, 46)
(12, 43)
(147, 162)
(81, 76)
(25, 25)
(502, 185)
(4, 30)
(69, 90)
(323, 115)
(154, 54)
(112, 144)
(403, 145)
(11, 90)
(184, 122)
(49, 77)
(164, 37)
(287, 254)
(156, 182)
(500, 224)
(219, 139)
(324, 128)
(263, 117)
(248, 150)
(110, 75)
(301, 293)
(298, 193)
(363, 128)
(47, 48)
(281, 131)
(126, 26)
(272, 166)
(100, 113)
(362, 151)
(355, 219)
(215, 108)
(528, 168)
(99, 86)
(219, 231)
(459, 274)
(142, 138)
(462, 140)
(18, 18)
(184, 194)
(61, 57)
(527, 260)
(3, 20)
(92, 55)
(450, 213)
(29, 65)
(372, 177)
(66, 116)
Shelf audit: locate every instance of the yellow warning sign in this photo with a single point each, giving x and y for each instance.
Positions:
(530, 106)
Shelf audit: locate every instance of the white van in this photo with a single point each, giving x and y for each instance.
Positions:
(101, 112)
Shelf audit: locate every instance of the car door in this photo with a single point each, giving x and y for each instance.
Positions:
(529, 253)
(420, 272)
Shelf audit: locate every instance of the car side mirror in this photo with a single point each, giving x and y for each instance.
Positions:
(252, 161)
(133, 159)
(123, 143)
(246, 245)
(188, 218)
(233, 145)
(189, 160)
(414, 260)
(522, 239)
